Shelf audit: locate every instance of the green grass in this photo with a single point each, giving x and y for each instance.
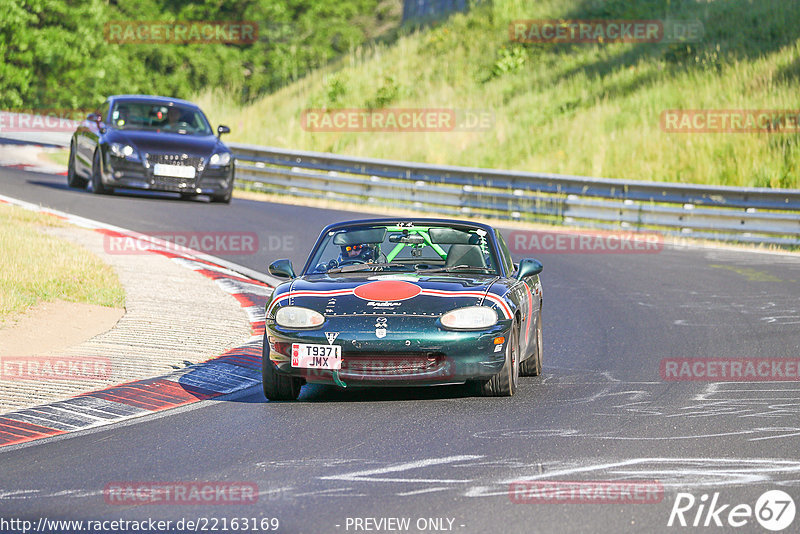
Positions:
(58, 156)
(37, 267)
(583, 109)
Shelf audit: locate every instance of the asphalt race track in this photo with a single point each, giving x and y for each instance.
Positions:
(600, 412)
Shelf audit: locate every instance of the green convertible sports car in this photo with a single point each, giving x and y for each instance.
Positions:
(400, 302)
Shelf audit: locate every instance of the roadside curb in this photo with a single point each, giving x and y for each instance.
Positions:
(29, 156)
(235, 370)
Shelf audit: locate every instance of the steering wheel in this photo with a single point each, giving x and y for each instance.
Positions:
(352, 262)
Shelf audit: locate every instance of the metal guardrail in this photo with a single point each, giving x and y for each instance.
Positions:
(758, 215)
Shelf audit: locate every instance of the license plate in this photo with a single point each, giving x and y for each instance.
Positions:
(316, 356)
(177, 171)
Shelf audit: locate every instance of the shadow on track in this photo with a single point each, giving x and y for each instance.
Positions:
(52, 185)
(124, 193)
(320, 393)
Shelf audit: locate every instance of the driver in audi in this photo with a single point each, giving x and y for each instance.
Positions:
(174, 116)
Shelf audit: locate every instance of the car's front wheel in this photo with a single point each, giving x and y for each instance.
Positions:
(504, 383)
(277, 387)
(73, 180)
(224, 198)
(98, 188)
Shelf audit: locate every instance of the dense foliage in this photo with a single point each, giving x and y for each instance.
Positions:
(592, 109)
(56, 55)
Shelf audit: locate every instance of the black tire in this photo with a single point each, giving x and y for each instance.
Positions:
(97, 183)
(224, 198)
(73, 180)
(533, 365)
(504, 383)
(277, 387)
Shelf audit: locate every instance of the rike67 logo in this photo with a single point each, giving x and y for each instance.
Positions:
(774, 510)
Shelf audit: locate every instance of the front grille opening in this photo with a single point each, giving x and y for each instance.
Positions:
(394, 363)
(175, 159)
(171, 183)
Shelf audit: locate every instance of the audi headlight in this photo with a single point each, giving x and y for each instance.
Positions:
(297, 317)
(122, 150)
(469, 318)
(220, 159)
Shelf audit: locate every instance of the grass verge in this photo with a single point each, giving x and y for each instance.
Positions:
(584, 109)
(59, 156)
(36, 267)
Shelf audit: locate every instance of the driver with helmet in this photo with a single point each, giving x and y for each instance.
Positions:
(365, 253)
(351, 254)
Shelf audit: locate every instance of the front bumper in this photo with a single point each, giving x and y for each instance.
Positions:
(124, 173)
(416, 353)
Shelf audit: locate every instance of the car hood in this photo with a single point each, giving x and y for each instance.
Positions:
(163, 142)
(386, 294)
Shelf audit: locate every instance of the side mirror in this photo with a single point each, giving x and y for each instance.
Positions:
(282, 269)
(98, 119)
(528, 267)
(222, 130)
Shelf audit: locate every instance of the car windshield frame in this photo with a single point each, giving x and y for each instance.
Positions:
(198, 125)
(388, 262)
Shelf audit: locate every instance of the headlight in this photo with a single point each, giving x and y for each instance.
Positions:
(470, 318)
(123, 151)
(297, 317)
(220, 158)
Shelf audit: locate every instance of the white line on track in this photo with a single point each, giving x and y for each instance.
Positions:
(367, 475)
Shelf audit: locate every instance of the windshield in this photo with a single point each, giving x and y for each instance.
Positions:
(162, 117)
(405, 248)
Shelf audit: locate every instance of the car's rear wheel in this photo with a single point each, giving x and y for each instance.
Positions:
(98, 188)
(73, 180)
(277, 387)
(504, 383)
(533, 365)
